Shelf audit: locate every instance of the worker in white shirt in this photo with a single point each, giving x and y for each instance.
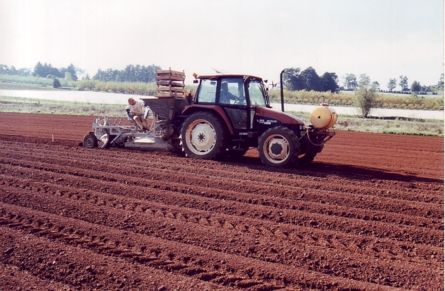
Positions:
(136, 109)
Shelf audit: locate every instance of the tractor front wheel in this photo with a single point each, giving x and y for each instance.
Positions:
(203, 136)
(309, 156)
(279, 147)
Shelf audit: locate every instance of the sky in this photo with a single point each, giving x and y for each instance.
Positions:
(381, 38)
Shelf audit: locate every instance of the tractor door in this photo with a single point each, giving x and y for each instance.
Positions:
(232, 97)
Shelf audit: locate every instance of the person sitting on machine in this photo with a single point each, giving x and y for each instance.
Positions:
(135, 112)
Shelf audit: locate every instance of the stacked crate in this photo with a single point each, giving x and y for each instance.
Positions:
(170, 84)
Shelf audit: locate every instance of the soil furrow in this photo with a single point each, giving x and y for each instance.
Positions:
(321, 207)
(319, 195)
(202, 264)
(352, 226)
(291, 180)
(82, 268)
(235, 244)
(390, 250)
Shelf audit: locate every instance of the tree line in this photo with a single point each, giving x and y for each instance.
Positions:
(293, 78)
(131, 73)
(351, 83)
(43, 71)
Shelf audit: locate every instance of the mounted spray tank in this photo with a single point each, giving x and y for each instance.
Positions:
(323, 117)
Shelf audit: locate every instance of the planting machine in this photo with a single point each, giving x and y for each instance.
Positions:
(228, 115)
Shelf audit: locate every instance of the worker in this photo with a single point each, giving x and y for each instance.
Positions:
(135, 111)
(225, 95)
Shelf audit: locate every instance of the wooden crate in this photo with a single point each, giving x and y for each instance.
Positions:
(170, 83)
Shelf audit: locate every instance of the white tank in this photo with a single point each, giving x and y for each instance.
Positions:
(323, 116)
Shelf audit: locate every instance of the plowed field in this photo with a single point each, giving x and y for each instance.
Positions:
(366, 215)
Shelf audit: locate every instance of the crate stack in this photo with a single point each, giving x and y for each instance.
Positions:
(170, 84)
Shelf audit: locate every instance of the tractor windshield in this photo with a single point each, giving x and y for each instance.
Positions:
(257, 93)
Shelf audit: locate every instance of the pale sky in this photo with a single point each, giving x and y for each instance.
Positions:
(381, 38)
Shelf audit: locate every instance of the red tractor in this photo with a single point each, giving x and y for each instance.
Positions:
(228, 115)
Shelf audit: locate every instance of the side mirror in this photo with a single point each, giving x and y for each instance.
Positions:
(195, 81)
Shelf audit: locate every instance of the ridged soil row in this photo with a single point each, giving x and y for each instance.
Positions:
(161, 205)
(285, 177)
(385, 141)
(149, 161)
(81, 262)
(322, 196)
(407, 167)
(12, 276)
(279, 212)
(332, 262)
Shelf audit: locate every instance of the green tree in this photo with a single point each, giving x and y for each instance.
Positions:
(376, 85)
(310, 80)
(13, 70)
(56, 83)
(403, 82)
(291, 79)
(329, 82)
(365, 80)
(365, 99)
(24, 72)
(416, 87)
(350, 81)
(392, 84)
(440, 83)
(39, 70)
(72, 70)
(4, 69)
(46, 71)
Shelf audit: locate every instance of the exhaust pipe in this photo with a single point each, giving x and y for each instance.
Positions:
(281, 89)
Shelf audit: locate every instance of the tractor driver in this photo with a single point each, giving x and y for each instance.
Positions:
(135, 111)
(225, 96)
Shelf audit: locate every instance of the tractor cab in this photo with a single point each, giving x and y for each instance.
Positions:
(237, 95)
(235, 90)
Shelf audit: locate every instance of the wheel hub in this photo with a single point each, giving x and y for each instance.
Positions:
(278, 148)
(202, 138)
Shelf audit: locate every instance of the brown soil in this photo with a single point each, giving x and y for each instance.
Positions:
(366, 215)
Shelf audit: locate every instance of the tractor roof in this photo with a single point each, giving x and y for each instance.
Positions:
(219, 76)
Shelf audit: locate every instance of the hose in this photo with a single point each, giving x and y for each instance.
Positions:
(317, 145)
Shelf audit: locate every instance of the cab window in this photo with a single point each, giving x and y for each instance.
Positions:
(256, 93)
(207, 91)
(232, 91)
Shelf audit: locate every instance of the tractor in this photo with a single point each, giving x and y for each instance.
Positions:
(228, 115)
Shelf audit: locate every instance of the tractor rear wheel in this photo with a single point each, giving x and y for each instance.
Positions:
(279, 147)
(203, 136)
(90, 140)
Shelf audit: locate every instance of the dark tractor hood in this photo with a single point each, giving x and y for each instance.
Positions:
(282, 117)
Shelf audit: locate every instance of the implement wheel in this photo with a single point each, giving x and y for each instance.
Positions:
(279, 147)
(90, 141)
